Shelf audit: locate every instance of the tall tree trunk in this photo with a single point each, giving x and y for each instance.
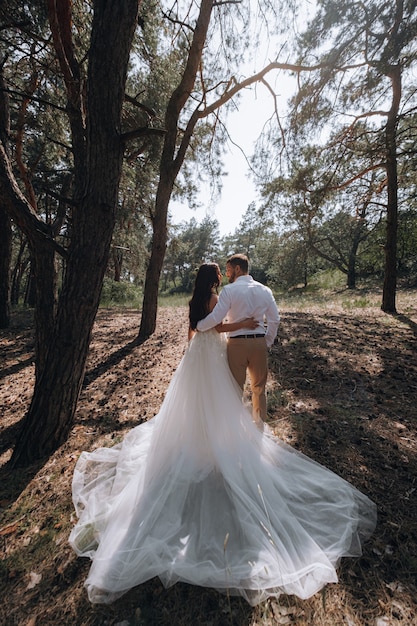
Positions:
(50, 416)
(18, 271)
(390, 277)
(5, 223)
(353, 253)
(351, 272)
(171, 162)
(30, 288)
(5, 259)
(117, 264)
(156, 260)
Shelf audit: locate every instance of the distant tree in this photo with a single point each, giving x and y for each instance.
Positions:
(204, 87)
(290, 264)
(366, 53)
(251, 237)
(19, 266)
(191, 245)
(332, 209)
(173, 154)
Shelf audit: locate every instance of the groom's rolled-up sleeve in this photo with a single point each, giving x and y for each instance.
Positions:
(272, 319)
(217, 315)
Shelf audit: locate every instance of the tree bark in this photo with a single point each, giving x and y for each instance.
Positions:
(43, 271)
(353, 252)
(5, 259)
(5, 223)
(170, 164)
(50, 416)
(390, 276)
(351, 269)
(18, 271)
(117, 265)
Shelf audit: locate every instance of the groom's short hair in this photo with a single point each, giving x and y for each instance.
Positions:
(241, 260)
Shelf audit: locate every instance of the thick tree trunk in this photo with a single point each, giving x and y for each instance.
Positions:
(50, 416)
(43, 272)
(390, 277)
(54, 401)
(171, 162)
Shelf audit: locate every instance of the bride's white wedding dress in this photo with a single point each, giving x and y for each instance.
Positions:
(199, 494)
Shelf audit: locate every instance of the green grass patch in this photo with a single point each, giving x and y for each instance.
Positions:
(359, 302)
(328, 279)
(174, 300)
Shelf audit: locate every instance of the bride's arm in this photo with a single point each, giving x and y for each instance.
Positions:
(249, 322)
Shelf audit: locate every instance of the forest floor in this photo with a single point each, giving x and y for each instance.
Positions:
(342, 389)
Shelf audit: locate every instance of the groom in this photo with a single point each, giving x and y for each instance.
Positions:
(248, 350)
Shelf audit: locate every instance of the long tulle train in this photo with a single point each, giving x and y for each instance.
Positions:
(198, 494)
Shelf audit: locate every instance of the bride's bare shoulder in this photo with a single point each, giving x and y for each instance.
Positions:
(213, 301)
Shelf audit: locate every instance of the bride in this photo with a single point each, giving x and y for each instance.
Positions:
(199, 494)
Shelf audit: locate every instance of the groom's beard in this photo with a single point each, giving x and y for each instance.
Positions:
(232, 277)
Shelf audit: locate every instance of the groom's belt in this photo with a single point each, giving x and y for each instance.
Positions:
(256, 336)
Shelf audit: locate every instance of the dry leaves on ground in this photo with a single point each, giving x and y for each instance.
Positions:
(342, 389)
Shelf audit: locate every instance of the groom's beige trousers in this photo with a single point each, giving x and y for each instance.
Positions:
(250, 355)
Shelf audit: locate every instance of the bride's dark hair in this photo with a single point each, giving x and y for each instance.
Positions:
(208, 277)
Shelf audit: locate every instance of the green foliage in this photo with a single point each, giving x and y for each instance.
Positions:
(254, 237)
(189, 246)
(310, 221)
(289, 263)
(331, 193)
(120, 293)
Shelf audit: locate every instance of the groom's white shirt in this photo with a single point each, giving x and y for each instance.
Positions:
(243, 298)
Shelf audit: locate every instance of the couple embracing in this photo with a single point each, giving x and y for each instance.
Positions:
(199, 493)
(247, 305)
